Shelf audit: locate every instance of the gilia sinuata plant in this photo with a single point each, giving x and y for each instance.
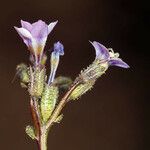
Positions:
(44, 90)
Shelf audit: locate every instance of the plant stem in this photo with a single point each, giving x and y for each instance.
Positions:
(42, 141)
(35, 117)
(60, 106)
(42, 130)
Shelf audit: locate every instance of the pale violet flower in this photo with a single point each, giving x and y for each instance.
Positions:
(107, 56)
(58, 51)
(35, 35)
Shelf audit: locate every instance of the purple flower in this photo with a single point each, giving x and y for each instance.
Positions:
(107, 56)
(58, 51)
(35, 35)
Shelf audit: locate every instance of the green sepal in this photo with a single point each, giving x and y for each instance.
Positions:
(81, 89)
(30, 132)
(59, 118)
(25, 76)
(94, 71)
(48, 101)
(37, 82)
(23, 85)
(87, 78)
(23, 73)
(43, 60)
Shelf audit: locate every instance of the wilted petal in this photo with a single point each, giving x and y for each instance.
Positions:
(55, 56)
(25, 35)
(51, 26)
(118, 62)
(102, 52)
(39, 29)
(59, 48)
(26, 25)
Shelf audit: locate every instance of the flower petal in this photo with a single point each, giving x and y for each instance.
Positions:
(26, 25)
(102, 52)
(59, 48)
(39, 30)
(118, 62)
(24, 34)
(51, 26)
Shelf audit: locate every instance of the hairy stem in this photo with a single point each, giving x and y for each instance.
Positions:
(35, 117)
(43, 129)
(42, 141)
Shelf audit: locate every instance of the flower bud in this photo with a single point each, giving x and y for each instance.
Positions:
(88, 77)
(48, 101)
(81, 89)
(37, 82)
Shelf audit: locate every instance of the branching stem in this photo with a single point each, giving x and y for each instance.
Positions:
(42, 129)
(60, 106)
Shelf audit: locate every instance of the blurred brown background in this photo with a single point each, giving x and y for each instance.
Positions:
(114, 115)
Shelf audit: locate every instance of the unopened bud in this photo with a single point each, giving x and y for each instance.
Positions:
(37, 82)
(81, 89)
(48, 101)
(87, 78)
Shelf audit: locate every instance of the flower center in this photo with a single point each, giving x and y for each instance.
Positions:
(112, 54)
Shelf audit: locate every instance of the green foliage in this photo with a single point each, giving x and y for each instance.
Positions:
(30, 132)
